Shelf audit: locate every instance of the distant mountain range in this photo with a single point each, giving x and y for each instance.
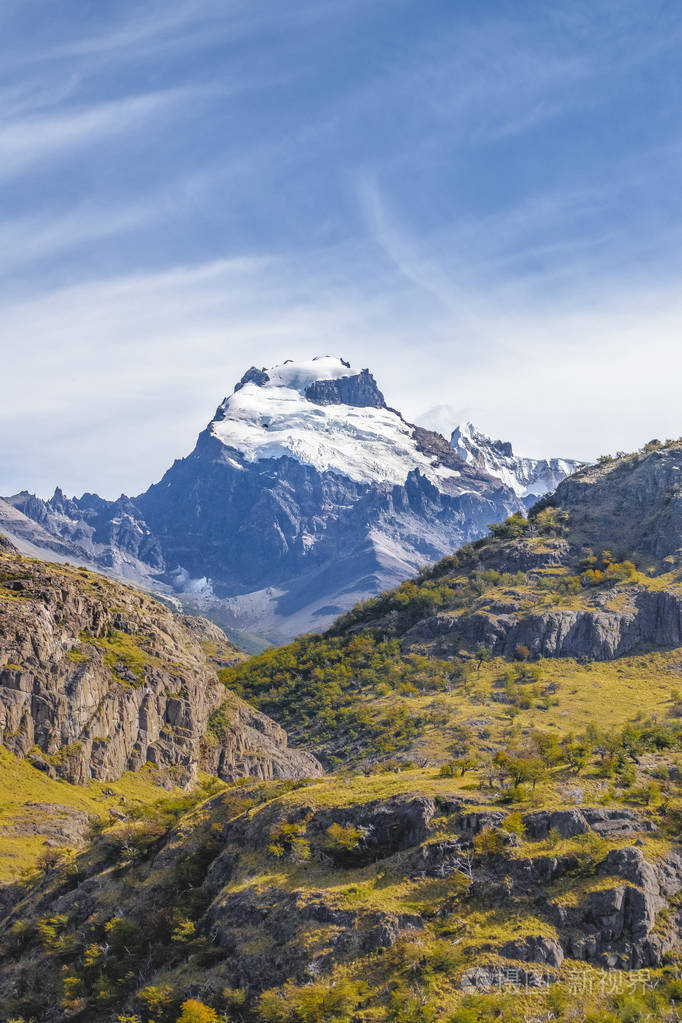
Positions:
(304, 494)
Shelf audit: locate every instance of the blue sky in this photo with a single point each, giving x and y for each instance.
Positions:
(480, 202)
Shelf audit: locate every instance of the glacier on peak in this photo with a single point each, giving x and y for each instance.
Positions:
(300, 410)
(305, 493)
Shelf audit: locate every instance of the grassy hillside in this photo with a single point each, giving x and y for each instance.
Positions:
(39, 814)
(501, 836)
(269, 903)
(481, 643)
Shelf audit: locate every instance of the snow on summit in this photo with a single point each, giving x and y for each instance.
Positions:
(299, 375)
(271, 414)
(527, 477)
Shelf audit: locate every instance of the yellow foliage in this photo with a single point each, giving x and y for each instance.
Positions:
(193, 1011)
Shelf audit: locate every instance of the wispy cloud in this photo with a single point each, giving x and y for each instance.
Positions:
(25, 141)
(483, 208)
(170, 345)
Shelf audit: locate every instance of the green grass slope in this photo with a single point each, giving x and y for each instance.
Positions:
(501, 836)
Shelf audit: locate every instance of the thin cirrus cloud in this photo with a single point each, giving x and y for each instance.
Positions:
(478, 201)
(34, 138)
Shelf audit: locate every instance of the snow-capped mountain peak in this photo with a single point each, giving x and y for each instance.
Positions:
(304, 494)
(527, 477)
(298, 376)
(326, 414)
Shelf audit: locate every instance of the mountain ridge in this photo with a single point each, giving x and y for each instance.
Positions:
(305, 493)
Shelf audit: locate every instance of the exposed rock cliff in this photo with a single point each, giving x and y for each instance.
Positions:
(630, 503)
(97, 679)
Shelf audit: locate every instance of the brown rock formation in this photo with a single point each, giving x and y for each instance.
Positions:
(100, 679)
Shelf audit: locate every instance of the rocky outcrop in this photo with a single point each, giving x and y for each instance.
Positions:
(380, 828)
(473, 822)
(6, 545)
(632, 503)
(254, 746)
(616, 926)
(280, 915)
(54, 824)
(610, 822)
(271, 905)
(596, 633)
(385, 826)
(534, 948)
(97, 679)
(360, 390)
(253, 376)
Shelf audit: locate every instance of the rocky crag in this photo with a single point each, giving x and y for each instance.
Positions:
(97, 679)
(425, 892)
(529, 478)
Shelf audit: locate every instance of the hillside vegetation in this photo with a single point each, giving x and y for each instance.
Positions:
(500, 838)
(531, 627)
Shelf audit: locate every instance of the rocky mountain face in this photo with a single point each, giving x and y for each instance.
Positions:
(619, 516)
(305, 902)
(305, 494)
(529, 478)
(97, 679)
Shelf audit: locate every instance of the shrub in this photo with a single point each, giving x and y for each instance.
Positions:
(192, 1011)
(465, 1016)
(317, 1002)
(458, 766)
(514, 823)
(156, 998)
(289, 839)
(549, 521)
(342, 842)
(674, 990)
(514, 794)
(648, 794)
(489, 842)
(512, 528)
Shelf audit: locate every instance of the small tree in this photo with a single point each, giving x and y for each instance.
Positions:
(489, 842)
(342, 842)
(483, 654)
(511, 529)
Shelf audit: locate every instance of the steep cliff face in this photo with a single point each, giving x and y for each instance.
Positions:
(97, 679)
(598, 632)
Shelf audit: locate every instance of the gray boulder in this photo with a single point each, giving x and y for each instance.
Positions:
(534, 948)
